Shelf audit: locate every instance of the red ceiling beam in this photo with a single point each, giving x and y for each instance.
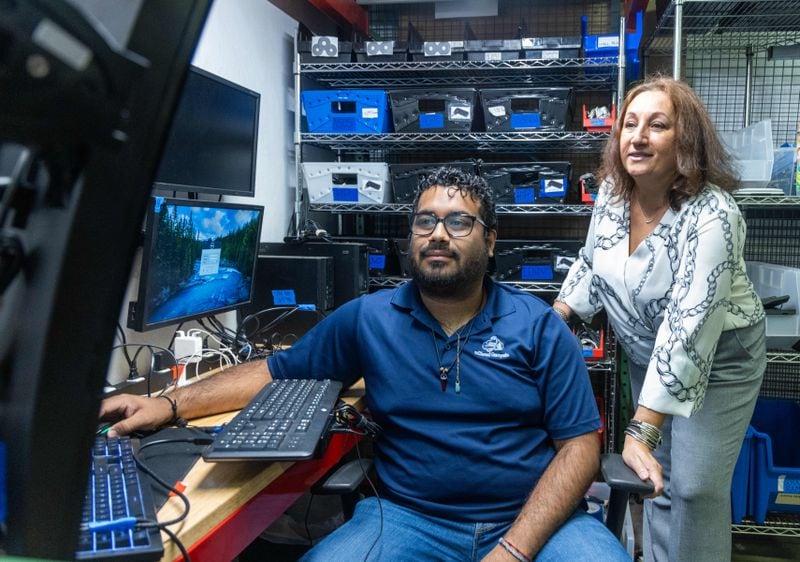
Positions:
(631, 8)
(344, 10)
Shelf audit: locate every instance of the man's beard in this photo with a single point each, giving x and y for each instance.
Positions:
(469, 269)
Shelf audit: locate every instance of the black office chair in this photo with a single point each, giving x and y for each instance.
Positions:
(622, 481)
(344, 481)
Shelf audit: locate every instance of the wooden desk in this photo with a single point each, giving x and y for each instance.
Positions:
(233, 502)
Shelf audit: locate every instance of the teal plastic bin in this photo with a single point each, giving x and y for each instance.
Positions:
(775, 461)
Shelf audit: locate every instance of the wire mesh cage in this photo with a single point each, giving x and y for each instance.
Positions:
(514, 18)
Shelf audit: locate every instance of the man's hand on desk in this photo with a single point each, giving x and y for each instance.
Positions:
(226, 391)
(135, 413)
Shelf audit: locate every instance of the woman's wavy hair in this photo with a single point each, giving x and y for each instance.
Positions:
(702, 158)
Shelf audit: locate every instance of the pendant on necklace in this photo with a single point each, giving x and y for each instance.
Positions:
(443, 377)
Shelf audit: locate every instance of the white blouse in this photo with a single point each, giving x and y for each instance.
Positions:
(689, 271)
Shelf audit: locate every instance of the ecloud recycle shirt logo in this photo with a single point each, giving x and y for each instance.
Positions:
(492, 348)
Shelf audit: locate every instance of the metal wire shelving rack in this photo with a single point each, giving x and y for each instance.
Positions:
(593, 82)
(739, 57)
(579, 73)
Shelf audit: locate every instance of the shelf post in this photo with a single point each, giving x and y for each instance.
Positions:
(677, 40)
(298, 154)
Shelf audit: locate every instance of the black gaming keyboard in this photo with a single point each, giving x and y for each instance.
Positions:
(118, 507)
(287, 420)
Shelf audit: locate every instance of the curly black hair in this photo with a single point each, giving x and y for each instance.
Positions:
(468, 184)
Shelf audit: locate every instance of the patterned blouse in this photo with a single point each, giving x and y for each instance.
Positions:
(669, 301)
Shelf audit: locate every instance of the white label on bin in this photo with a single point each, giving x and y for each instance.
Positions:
(460, 113)
(492, 56)
(549, 55)
(497, 110)
(369, 112)
(787, 499)
(554, 186)
(607, 41)
(456, 44)
(527, 43)
(374, 185)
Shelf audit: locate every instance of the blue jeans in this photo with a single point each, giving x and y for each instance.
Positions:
(408, 535)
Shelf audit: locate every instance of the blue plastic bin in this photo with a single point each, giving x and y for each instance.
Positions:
(741, 478)
(775, 461)
(603, 46)
(347, 111)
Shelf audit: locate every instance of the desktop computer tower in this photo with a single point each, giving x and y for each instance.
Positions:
(350, 264)
(382, 259)
(293, 280)
(281, 282)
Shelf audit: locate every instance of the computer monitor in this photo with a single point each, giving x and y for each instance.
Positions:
(211, 146)
(95, 125)
(199, 259)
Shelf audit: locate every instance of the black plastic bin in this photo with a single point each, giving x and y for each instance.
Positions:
(406, 177)
(490, 50)
(381, 51)
(524, 183)
(433, 110)
(436, 51)
(547, 48)
(540, 260)
(525, 109)
(325, 49)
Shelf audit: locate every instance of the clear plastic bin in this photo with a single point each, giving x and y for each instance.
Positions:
(753, 152)
(770, 280)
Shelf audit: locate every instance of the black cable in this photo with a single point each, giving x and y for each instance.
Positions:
(124, 341)
(222, 327)
(377, 496)
(139, 463)
(179, 544)
(354, 421)
(305, 520)
(150, 347)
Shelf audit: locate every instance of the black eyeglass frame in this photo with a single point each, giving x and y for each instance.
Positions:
(443, 220)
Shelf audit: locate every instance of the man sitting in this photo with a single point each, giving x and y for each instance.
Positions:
(489, 422)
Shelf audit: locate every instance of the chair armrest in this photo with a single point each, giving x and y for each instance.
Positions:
(620, 476)
(345, 479)
(623, 482)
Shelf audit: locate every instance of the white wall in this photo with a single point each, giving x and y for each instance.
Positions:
(249, 42)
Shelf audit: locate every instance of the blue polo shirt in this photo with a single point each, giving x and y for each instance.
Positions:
(471, 456)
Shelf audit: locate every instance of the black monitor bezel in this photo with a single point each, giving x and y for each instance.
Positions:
(140, 310)
(214, 190)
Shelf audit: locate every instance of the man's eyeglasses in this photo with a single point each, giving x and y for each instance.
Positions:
(457, 225)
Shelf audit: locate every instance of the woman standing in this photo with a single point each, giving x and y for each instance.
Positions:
(664, 258)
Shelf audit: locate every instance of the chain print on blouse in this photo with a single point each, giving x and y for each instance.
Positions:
(686, 309)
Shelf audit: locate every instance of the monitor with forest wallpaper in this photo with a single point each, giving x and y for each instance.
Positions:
(199, 259)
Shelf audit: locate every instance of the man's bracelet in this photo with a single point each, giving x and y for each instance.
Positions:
(513, 550)
(645, 433)
(175, 419)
